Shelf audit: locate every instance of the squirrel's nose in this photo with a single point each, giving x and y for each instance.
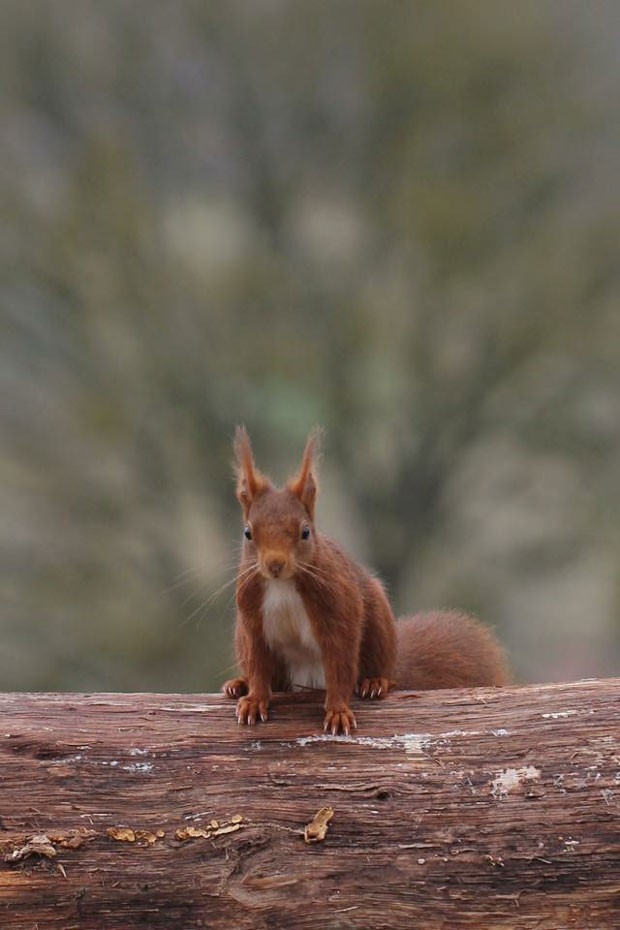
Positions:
(274, 567)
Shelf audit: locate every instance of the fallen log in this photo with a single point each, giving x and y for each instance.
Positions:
(475, 809)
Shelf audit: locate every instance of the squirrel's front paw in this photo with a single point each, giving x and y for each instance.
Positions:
(339, 720)
(251, 709)
(235, 687)
(373, 687)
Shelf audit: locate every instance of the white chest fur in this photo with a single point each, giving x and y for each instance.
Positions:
(288, 632)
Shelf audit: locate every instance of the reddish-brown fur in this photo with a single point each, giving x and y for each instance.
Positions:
(447, 649)
(306, 611)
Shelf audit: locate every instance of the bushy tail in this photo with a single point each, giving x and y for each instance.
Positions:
(448, 649)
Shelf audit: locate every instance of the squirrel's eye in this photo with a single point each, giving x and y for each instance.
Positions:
(247, 532)
(305, 532)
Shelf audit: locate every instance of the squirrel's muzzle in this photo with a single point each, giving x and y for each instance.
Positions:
(275, 565)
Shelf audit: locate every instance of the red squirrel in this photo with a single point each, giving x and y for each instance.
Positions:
(309, 616)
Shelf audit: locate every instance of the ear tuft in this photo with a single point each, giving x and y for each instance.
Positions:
(250, 482)
(305, 484)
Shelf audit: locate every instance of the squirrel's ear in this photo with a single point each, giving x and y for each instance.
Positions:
(250, 482)
(305, 484)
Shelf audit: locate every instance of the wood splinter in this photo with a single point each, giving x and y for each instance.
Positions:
(316, 830)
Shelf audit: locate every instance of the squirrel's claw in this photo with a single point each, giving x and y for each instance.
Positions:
(235, 687)
(250, 710)
(371, 688)
(339, 721)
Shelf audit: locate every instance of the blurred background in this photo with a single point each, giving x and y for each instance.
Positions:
(398, 220)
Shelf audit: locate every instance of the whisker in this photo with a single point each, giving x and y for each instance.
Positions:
(319, 575)
(240, 577)
(189, 598)
(207, 602)
(247, 575)
(194, 612)
(222, 566)
(219, 590)
(180, 580)
(233, 667)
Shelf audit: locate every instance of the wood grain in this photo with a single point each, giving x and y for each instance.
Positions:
(475, 809)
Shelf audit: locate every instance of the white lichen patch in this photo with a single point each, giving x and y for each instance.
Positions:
(509, 779)
(417, 743)
(559, 715)
(134, 767)
(67, 760)
(142, 767)
(414, 743)
(371, 742)
(411, 742)
(137, 762)
(182, 708)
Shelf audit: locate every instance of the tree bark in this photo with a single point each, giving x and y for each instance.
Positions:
(474, 809)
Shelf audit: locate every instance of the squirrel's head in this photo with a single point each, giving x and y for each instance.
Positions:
(278, 522)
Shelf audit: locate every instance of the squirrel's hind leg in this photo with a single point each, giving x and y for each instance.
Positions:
(235, 687)
(371, 688)
(378, 646)
(238, 687)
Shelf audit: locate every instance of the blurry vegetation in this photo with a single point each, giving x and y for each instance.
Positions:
(398, 220)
